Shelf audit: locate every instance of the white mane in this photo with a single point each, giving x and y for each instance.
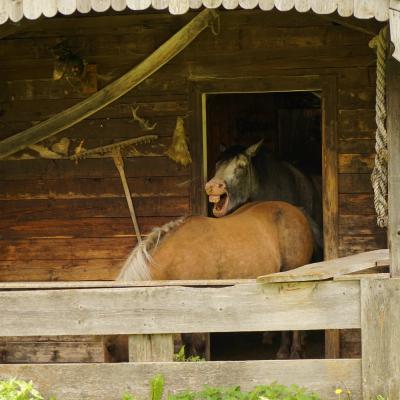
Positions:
(137, 265)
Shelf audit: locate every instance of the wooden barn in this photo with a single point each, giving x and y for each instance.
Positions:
(104, 98)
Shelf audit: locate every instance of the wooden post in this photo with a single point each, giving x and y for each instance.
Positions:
(393, 132)
(330, 199)
(380, 323)
(150, 348)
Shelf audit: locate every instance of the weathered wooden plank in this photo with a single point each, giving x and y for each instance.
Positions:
(353, 98)
(89, 168)
(63, 349)
(356, 204)
(357, 146)
(328, 269)
(393, 129)
(355, 244)
(380, 322)
(93, 188)
(330, 200)
(135, 23)
(66, 249)
(247, 307)
(146, 348)
(359, 225)
(78, 228)
(105, 130)
(116, 284)
(30, 89)
(394, 29)
(358, 123)
(111, 381)
(355, 183)
(22, 211)
(32, 111)
(350, 340)
(76, 269)
(352, 277)
(355, 163)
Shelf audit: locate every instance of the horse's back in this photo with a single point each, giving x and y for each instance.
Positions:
(258, 238)
(293, 230)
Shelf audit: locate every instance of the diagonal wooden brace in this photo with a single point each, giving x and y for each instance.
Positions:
(111, 92)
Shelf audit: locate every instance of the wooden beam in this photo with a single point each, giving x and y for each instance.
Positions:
(330, 268)
(110, 381)
(111, 92)
(176, 309)
(393, 132)
(380, 321)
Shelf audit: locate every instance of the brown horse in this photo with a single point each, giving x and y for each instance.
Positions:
(257, 239)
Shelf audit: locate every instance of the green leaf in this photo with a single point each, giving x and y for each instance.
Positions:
(157, 387)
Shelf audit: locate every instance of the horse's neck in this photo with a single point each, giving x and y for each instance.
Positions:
(253, 183)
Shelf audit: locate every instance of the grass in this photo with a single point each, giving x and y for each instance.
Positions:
(14, 389)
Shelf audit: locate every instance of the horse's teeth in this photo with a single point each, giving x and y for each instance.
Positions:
(214, 199)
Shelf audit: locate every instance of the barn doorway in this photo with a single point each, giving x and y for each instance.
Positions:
(290, 124)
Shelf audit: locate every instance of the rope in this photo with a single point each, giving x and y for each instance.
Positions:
(379, 177)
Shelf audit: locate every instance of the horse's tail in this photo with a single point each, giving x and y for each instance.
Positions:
(317, 236)
(136, 266)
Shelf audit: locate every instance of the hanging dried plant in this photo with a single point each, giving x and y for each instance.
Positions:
(178, 151)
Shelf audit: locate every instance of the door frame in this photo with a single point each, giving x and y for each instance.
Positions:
(199, 88)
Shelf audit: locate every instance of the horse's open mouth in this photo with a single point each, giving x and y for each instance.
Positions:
(220, 204)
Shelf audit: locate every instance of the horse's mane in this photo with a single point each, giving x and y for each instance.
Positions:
(136, 266)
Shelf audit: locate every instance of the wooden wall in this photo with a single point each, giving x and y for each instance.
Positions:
(65, 221)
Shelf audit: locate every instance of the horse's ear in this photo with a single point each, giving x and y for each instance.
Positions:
(252, 150)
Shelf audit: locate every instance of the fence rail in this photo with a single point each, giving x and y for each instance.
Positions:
(148, 312)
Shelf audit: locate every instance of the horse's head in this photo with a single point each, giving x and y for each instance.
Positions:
(234, 180)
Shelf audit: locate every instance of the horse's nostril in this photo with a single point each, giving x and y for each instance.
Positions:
(220, 185)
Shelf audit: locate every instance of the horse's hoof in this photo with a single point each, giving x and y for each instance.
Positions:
(282, 355)
(296, 354)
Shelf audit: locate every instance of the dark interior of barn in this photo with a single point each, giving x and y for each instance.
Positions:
(290, 125)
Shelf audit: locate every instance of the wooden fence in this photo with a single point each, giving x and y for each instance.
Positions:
(151, 312)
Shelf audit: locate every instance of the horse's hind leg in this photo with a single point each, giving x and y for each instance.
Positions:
(297, 349)
(284, 348)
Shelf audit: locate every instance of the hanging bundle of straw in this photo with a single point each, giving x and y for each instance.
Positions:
(178, 151)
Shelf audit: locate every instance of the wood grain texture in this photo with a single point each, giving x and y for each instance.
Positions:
(328, 269)
(78, 269)
(247, 307)
(63, 349)
(330, 185)
(111, 381)
(393, 129)
(106, 96)
(117, 284)
(93, 188)
(380, 341)
(248, 53)
(147, 348)
(350, 244)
